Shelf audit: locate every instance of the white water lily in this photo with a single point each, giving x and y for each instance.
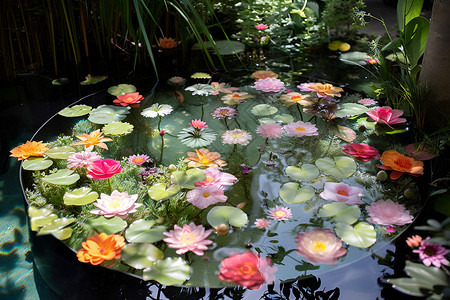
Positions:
(157, 110)
(201, 89)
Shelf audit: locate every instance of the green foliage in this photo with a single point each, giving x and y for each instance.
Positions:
(337, 16)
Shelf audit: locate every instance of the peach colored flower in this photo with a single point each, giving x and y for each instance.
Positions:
(363, 152)
(29, 149)
(386, 115)
(221, 87)
(322, 90)
(414, 241)
(262, 223)
(188, 238)
(341, 192)
(372, 61)
(129, 99)
(95, 138)
(292, 98)
(97, 249)
(216, 178)
(235, 98)
(264, 74)
(204, 158)
(269, 85)
(392, 160)
(103, 169)
(388, 213)
(167, 43)
(139, 159)
(236, 136)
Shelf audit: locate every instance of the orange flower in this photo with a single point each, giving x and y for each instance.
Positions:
(29, 149)
(400, 164)
(99, 248)
(204, 157)
(235, 98)
(296, 98)
(95, 138)
(264, 74)
(322, 90)
(414, 241)
(167, 43)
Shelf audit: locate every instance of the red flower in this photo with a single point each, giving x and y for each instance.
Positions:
(103, 169)
(247, 269)
(363, 152)
(130, 99)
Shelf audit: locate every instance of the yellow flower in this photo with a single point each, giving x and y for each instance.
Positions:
(29, 149)
(200, 75)
(95, 138)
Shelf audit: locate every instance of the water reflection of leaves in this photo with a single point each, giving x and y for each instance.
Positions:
(278, 256)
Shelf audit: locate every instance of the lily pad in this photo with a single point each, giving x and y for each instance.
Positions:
(340, 166)
(141, 255)
(340, 212)
(263, 110)
(36, 164)
(266, 121)
(62, 177)
(121, 89)
(81, 196)
(363, 235)
(350, 110)
(105, 114)
(40, 217)
(108, 226)
(60, 152)
(345, 133)
(56, 228)
(354, 58)
(117, 128)
(160, 191)
(291, 194)
(75, 111)
(284, 118)
(306, 172)
(169, 271)
(226, 214)
(186, 179)
(93, 79)
(366, 124)
(142, 231)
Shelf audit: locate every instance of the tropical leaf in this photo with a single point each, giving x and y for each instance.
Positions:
(117, 128)
(121, 89)
(161, 191)
(75, 111)
(306, 172)
(263, 110)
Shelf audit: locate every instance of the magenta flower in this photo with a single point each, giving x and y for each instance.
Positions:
(224, 112)
(103, 169)
(138, 159)
(214, 177)
(269, 85)
(372, 61)
(189, 238)
(270, 130)
(202, 197)
(261, 27)
(367, 101)
(301, 128)
(341, 192)
(363, 152)
(388, 213)
(118, 204)
(432, 254)
(236, 136)
(198, 124)
(262, 223)
(320, 246)
(386, 115)
(82, 159)
(280, 213)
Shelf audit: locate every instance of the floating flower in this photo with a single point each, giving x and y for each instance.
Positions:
(188, 238)
(103, 169)
(386, 115)
(320, 246)
(341, 192)
(177, 80)
(193, 137)
(216, 178)
(414, 241)
(129, 99)
(264, 74)
(198, 124)
(269, 85)
(224, 112)
(235, 98)
(29, 149)
(322, 107)
(118, 204)
(292, 98)
(262, 223)
(400, 164)
(236, 136)
(200, 89)
(301, 128)
(247, 269)
(200, 75)
(372, 61)
(270, 130)
(221, 87)
(322, 90)
(157, 110)
(97, 249)
(167, 43)
(367, 101)
(363, 152)
(432, 254)
(204, 196)
(82, 159)
(138, 159)
(261, 26)
(388, 213)
(280, 213)
(204, 157)
(95, 138)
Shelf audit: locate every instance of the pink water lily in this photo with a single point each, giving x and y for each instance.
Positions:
(261, 26)
(103, 169)
(386, 115)
(202, 197)
(388, 213)
(341, 192)
(188, 238)
(118, 204)
(214, 177)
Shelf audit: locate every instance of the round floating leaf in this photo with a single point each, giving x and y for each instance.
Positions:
(105, 114)
(57, 228)
(169, 271)
(117, 128)
(345, 133)
(81, 196)
(263, 110)
(291, 194)
(121, 89)
(350, 110)
(36, 164)
(60, 152)
(142, 231)
(266, 121)
(340, 166)
(363, 235)
(340, 212)
(226, 214)
(306, 172)
(93, 79)
(63, 234)
(364, 122)
(186, 179)
(108, 226)
(35, 212)
(284, 118)
(140, 255)
(160, 191)
(75, 111)
(62, 177)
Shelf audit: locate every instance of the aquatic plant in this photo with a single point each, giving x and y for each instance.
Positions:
(97, 249)
(28, 149)
(190, 237)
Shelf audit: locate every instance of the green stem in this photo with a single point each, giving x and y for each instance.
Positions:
(203, 109)
(162, 149)
(300, 112)
(226, 124)
(109, 183)
(329, 146)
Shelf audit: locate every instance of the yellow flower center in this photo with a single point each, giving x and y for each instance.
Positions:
(319, 246)
(342, 193)
(237, 135)
(296, 98)
(205, 194)
(300, 128)
(187, 238)
(246, 269)
(279, 213)
(138, 160)
(224, 112)
(115, 203)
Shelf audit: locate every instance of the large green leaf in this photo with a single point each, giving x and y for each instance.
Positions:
(56, 228)
(81, 196)
(105, 114)
(62, 177)
(108, 226)
(415, 35)
(121, 89)
(75, 111)
(186, 179)
(340, 212)
(226, 214)
(169, 271)
(306, 172)
(407, 10)
(263, 110)
(160, 191)
(117, 128)
(36, 164)
(340, 166)
(291, 193)
(142, 231)
(140, 255)
(350, 110)
(60, 152)
(363, 235)
(40, 217)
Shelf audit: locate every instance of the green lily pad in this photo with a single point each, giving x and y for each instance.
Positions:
(186, 179)
(365, 123)
(160, 191)
(266, 121)
(350, 110)
(93, 79)
(363, 235)
(108, 226)
(81, 196)
(340, 212)
(121, 89)
(36, 164)
(117, 128)
(291, 194)
(75, 111)
(226, 214)
(284, 118)
(60, 152)
(140, 255)
(62, 177)
(142, 231)
(105, 114)
(40, 217)
(306, 172)
(169, 271)
(263, 110)
(56, 228)
(340, 166)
